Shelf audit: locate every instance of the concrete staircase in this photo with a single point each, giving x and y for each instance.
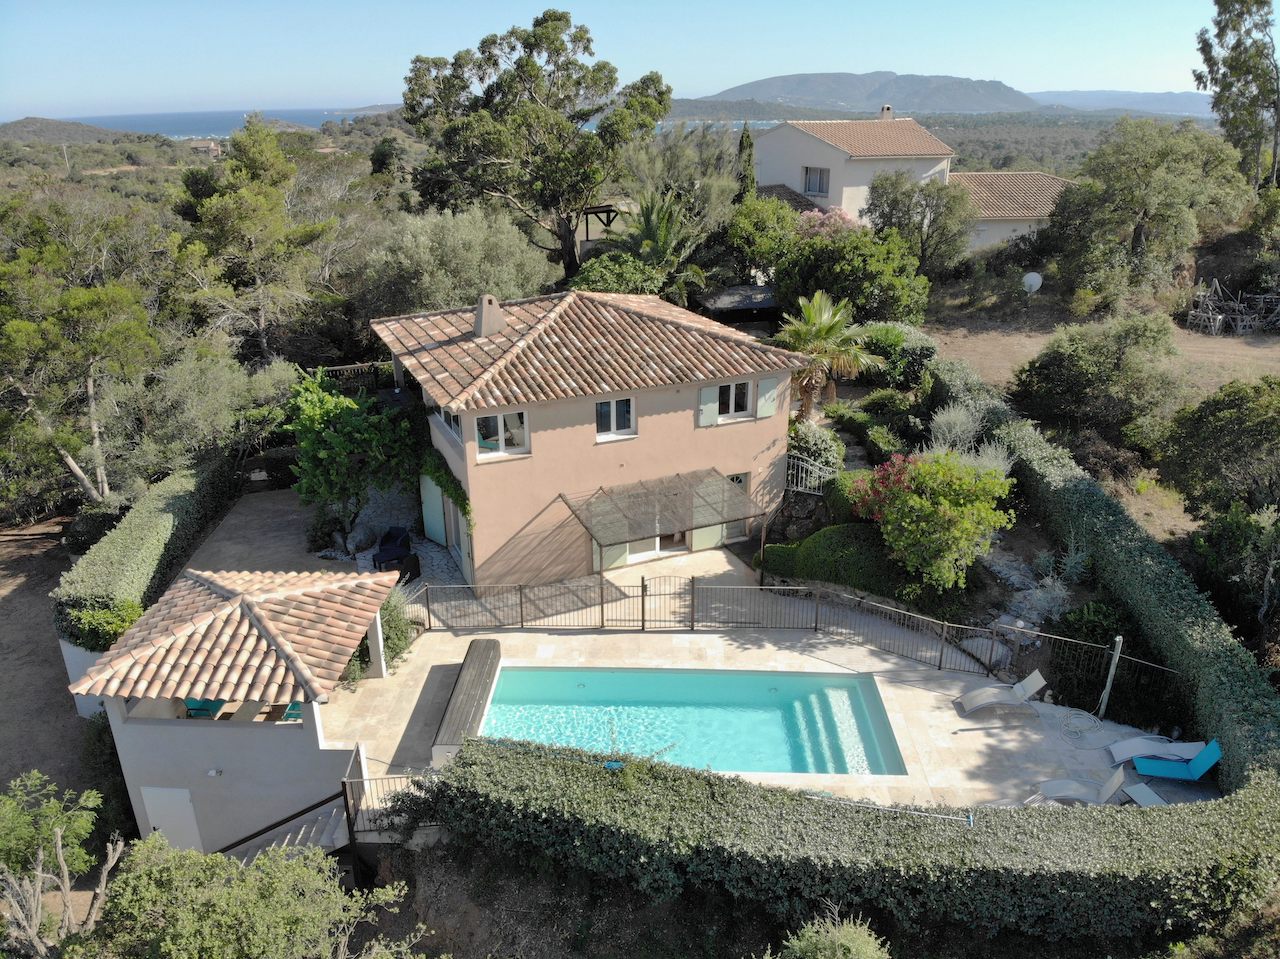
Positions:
(325, 826)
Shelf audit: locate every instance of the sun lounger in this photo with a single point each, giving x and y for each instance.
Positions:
(1185, 769)
(1001, 695)
(1160, 747)
(1083, 791)
(1144, 795)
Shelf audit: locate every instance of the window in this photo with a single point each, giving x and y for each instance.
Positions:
(817, 180)
(735, 400)
(502, 435)
(615, 418)
(453, 421)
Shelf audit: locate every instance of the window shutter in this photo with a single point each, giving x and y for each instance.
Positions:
(708, 405)
(767, 398)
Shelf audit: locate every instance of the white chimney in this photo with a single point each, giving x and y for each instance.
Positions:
(886, 112)
(490, 320)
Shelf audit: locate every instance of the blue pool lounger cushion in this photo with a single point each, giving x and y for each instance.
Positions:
(1188, 769)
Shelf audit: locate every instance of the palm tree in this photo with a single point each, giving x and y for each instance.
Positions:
(823, 333)
(662, 235)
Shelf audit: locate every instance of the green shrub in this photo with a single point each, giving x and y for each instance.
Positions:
(905, 350)
(398, 631)
(99, 628)
(852, 555)
(877, 275)
(838, 493)
(130, 566)
(882, 444)
(887, 403)
(937, 514)
(780, 558)
(846, 416)
(321, 529)
(817, 443)
(834, 938)
(1107, 873)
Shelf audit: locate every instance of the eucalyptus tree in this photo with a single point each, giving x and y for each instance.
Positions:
(526, 120)
(1242, 71)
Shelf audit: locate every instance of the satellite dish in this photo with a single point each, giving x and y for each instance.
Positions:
(1032, 282)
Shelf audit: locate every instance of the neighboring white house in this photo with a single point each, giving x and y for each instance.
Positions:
(831, 163)
(1009, 204)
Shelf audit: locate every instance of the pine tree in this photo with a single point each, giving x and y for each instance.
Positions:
(746, 164)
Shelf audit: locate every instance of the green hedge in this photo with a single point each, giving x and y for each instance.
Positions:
(126, 570)
(852, 554)
(905, 350)
(837, 494)
(1099, 874)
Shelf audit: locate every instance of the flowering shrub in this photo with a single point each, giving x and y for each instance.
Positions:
(937, 515)
(825, 223)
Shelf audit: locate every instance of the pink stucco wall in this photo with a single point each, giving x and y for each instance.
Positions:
(525, 534)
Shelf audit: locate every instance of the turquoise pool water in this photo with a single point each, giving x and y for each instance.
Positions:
(724, 720)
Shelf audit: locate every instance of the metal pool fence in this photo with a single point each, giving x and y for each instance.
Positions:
(1077, 671)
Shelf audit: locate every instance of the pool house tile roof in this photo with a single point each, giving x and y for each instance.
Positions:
(571, 344)
(243, 636)
(1018, 195)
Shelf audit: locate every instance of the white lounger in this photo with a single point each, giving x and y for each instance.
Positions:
(1083, 791)
(1001, 695)
(1160, 747)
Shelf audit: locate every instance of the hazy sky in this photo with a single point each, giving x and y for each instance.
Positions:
(87, 57)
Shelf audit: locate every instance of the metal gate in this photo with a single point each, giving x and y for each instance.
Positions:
(668, 602)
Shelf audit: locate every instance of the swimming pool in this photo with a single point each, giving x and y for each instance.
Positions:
(726, 720)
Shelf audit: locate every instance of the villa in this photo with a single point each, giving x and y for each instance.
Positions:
(831, 163)
(593, 430)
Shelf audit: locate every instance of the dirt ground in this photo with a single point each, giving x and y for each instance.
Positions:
(995, 346)
(39, 728)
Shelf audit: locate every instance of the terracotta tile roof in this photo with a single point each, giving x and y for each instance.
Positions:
(901, 137)
(265, 637)
(1017, 195)
(571, 344)
(792, 198)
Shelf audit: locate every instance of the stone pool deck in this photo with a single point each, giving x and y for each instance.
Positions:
(997, 755)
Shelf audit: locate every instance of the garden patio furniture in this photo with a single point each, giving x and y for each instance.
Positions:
(1086, 792)
(1186, 769)
(393, 547)
(1144, 795)
(1159, 747)
(1002, 694)
(204, 708)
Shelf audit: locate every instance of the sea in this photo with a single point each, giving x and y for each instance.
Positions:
(210, 123)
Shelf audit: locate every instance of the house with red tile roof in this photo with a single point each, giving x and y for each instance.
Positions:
(1009, 203)
(592, 430)
(215, 698)
(831, 163)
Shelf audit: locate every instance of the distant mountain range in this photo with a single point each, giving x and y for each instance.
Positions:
(867, 92)
(835, 95)
(1189, 104)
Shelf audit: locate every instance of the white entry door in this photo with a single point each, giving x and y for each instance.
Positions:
(170, 812)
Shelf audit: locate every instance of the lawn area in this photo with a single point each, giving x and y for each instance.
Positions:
(995, 344)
